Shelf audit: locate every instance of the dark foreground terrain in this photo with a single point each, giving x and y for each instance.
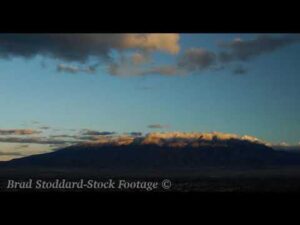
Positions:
(231, 166)
(280, 180)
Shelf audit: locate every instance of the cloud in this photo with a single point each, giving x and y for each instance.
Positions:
(139, 58)
(159, 42)
(196, 59)
(10, 153)
(18, 132)
(135, 133)
(124, 66)
(21, 146)
(194, 139)
(199, 59)
(92, 132)
(163, 139)
(135, 66)
(80, 47)
(173, 139)
(45, 128)
(118, 140)
(187, 137)
(75, 69)
(286, 147)
(244, 50)
(166, 70)
(63, 136)
(157, 126)
(36, 140)
(5, 155)
(127, 54)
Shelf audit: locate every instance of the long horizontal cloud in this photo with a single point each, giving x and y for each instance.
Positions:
(173, 139)
(45, 127)
(157, 126)
(10, 153)
(243, 50)
(196, 59)
(59, 139)
(75, 69)
(18, 132)
(131, 70)
(168, 139)
(37, 140)
(79, 47)
(286, 147)
(63, 136)
(104, 137)
(93, 132)
(192, 60)
(135, 133)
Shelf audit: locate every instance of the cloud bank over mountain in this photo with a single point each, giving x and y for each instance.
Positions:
(172, 139)
(51, 141)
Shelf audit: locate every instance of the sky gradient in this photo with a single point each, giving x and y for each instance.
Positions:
(246, 84)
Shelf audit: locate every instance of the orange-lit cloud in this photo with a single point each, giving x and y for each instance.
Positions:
(173, 139)
(80, 47)
(18, 132)
(152, 42)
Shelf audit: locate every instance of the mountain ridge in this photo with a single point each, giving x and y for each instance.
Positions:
(233, 153)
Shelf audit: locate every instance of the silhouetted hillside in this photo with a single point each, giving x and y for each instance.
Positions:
(235, 153)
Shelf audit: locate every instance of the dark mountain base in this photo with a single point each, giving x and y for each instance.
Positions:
(234, 166)
(235, 154)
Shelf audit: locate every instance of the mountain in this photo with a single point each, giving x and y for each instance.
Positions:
(230, 153)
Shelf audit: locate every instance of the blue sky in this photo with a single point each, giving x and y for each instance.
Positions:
(263, 102)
